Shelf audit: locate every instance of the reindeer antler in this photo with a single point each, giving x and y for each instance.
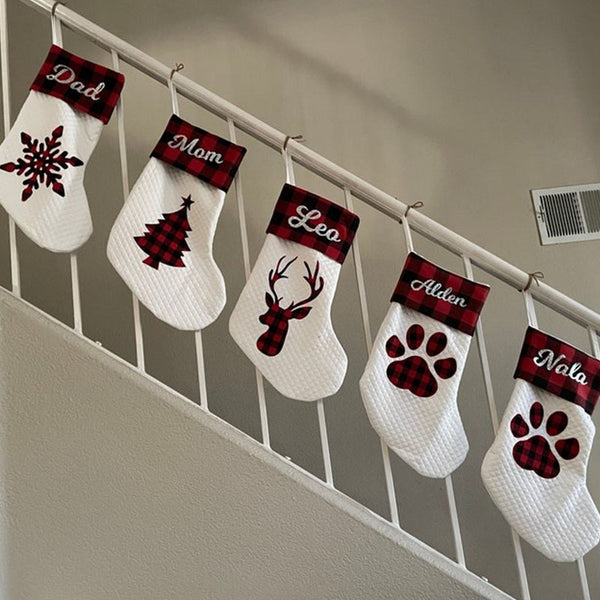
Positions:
(316, 286)
(276, 274)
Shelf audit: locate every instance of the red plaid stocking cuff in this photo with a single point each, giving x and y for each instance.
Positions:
(440, 294)
(199, 153)
(313, 222)
(559, 368)
(86, 86)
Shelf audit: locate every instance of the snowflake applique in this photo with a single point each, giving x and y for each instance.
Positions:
(41, 163)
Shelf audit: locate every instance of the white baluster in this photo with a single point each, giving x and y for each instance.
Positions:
(260, 386)
(291, 179)
(364, 311)
(137, 323)
(493, 410)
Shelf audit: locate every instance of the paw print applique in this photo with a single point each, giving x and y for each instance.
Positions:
(535, 453)
(414, 372)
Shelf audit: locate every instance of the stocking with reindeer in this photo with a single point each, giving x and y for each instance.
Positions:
(282, 319)
(161, 242)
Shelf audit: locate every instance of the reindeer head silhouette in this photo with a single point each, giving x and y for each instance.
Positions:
(277, 317)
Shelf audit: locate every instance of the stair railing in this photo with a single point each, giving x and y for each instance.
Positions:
(352, 187)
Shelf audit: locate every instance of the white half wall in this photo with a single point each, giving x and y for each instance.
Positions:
(113, 487)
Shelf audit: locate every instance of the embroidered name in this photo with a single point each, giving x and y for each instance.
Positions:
(180, 141)
(66, 75)
(435, 289)
(545, 358)
(303, 218)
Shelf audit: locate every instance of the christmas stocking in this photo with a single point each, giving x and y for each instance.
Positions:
(43, 158)
(535, 470)
(410, 383)
(161, 242)
(282, 319)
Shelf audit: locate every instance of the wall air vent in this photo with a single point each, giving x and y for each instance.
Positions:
(567, 214)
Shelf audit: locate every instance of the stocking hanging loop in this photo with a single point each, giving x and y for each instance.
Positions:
(297, 138)
(289, 172)
(529, 306)
(405, 226)
(417, 204)
(174, 103)
(55, 24)
(535, 276)
(54, 7)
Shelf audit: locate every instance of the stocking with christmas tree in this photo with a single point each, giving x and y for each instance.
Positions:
(43, 158)
(535, 470)
(282, 319)
(410, 384)
(161, 242)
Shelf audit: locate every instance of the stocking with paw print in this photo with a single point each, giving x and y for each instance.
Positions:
(282, 319)
(411, 380)
(161, 242)
(44, 156)
(535, 471)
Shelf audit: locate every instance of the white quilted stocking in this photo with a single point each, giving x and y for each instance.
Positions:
(282, 319)
(410, 384)
(161, 242)
(535, 471)
(44, 156)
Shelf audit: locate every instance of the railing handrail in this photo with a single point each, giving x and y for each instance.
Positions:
(392, 207)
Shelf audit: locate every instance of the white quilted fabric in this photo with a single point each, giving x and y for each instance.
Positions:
(312, 364)
(557, 516)
(59, 224)
(427, 433)
(189, 297)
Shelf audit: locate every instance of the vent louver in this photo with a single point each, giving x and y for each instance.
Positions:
(567, 214)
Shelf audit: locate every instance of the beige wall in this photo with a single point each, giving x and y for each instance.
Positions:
(463, 105)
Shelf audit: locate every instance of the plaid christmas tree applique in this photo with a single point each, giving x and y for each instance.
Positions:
(165, 242)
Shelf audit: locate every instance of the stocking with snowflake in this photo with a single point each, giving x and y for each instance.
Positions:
(410, 384)
(161, 242)
(43, 158)
(535, 470)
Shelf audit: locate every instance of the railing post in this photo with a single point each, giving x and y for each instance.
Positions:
(239, 194)
(291, 179)
(493, 410)
(15, 273)
(137, 322)
(364, 311)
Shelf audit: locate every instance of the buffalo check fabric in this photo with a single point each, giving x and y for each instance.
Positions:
(165, 242)
(440, 294)
(199, 153)
(161, 242)
(535, 470)
(86, 86)
(314, 222)
(560, 369)
(411, 380)
(44, 156)
(282, 319)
